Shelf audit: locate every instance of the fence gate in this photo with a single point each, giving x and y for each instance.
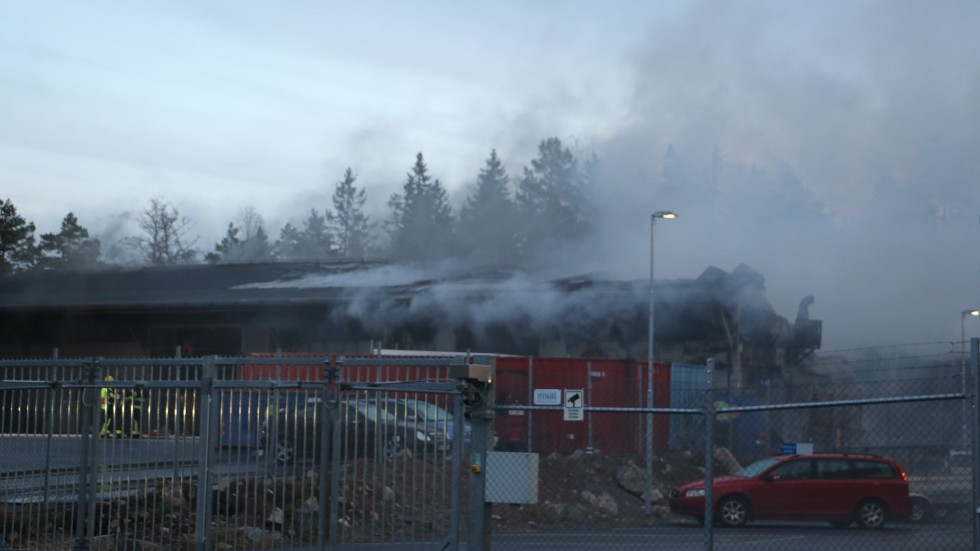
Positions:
(237, 453)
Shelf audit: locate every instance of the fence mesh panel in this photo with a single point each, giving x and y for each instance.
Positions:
(227, 454)
(275, 453)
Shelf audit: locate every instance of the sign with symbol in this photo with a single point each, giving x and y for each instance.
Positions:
(574, 404)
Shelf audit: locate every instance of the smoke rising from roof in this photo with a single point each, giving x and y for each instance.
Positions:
(831, 146)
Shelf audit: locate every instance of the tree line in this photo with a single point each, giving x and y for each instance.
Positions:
(500, 221)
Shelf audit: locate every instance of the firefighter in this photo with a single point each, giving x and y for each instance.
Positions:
(107, 399)
(133, 404)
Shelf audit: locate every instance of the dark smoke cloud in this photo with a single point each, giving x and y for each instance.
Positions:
(845, 164)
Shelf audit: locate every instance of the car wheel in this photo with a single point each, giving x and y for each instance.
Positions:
(871, 514)
(285, 452)
(921, 510)
(733, 511)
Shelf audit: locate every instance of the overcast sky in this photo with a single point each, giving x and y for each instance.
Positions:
(220, 105)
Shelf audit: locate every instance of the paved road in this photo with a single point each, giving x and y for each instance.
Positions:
(763, 537)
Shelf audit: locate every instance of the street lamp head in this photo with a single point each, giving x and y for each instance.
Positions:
(664, 214)
(972, 312)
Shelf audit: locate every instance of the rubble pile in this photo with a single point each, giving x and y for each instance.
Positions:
(407, 500)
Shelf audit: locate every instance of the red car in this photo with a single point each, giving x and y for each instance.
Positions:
(838, 488)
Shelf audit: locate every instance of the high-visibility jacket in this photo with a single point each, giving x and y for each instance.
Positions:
(107, 398)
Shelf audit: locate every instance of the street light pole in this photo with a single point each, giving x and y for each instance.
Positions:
(969, 312)
(648, 494)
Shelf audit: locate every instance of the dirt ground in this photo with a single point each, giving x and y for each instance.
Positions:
(575, 490)
(585, 490)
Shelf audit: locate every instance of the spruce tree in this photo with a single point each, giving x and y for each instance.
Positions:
(486, 229)
(313, 242)
(421, 217)
(224, 248)
(349, 225)
(71, 247)
(549, 198)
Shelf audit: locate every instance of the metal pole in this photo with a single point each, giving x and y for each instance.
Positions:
(478, 514)
(709, 459)
(85, 507)
(975, 391)
(590, 445)
(459, 434)
(648, 493)
(648, 452)
(326, 467)
(338, 420)
(963, 422)
(207, 405)
(52, 394)
(530, 400)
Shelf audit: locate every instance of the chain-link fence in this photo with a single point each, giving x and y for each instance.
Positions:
(243, 453)
(891, 468)
(355, 453)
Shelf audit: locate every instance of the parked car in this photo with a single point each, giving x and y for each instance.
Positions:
(368, 429)
(842, 489)
(437, 420)
(941, 494)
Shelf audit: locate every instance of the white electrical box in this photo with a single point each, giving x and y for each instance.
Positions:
(512, 477)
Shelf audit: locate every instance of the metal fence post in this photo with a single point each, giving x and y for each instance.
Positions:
(590, 446)
(709, 458)
(530, 400)
(207, 404)
(52, 394)
(326, 465)
(481, 416)
(459, 433)
(975, 386)
(335, 456)
(85, 507)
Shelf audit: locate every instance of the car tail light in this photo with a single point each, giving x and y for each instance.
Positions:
(905, 477)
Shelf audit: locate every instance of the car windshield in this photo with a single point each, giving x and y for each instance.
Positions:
(756, 468)
(432, 412)
(373, 411)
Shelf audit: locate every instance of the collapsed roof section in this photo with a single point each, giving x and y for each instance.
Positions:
(403, 306)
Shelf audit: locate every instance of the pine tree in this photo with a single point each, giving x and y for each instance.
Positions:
(70, 247)
(225, 247)
(245, 240)
(421, 217)
(350, 226)
(549, 198)
(256, 248)
(316, 237)
(289, 244)
(18, 249)
(313, 242)
(486, 221)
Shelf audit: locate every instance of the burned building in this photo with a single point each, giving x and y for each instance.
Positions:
(355, 307)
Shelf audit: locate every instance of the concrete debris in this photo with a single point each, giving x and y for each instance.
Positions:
(604, 502)
(276, 517)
